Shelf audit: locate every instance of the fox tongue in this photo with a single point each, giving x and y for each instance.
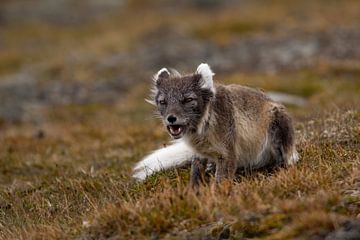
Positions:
(175, 130)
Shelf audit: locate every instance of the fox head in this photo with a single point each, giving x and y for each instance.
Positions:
(182, 100)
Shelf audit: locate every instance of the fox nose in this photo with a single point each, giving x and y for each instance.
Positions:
(171, 119)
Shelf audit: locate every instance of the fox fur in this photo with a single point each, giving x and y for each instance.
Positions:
(232, 126)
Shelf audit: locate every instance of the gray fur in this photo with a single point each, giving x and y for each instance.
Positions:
(198, 168)
(233, 126)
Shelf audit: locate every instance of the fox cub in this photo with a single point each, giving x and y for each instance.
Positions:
(230, 125)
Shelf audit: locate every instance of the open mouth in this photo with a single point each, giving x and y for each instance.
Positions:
(176, 130)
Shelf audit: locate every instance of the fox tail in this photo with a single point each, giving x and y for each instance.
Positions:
(176, 155)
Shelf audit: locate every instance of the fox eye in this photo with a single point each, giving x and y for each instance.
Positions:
(162, 102)
(187, 100)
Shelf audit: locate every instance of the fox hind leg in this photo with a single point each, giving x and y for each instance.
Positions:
(282, 140)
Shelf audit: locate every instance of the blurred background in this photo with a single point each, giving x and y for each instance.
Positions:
(56, 53)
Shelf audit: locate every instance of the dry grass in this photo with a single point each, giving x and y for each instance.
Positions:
(70, 176)
(75, 182)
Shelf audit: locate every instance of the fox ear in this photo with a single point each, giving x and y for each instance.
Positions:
(206, 76)
(162, 74)
(152, 102)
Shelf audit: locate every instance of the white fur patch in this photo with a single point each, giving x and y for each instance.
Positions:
(263, 155)
(156, 77)
(174, 155)
(204, 119)
(294, 158)
(152, 102)
(206, 75)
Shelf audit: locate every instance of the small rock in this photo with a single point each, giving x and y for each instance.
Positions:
(225, 233)
(350, 230)
(40, 134)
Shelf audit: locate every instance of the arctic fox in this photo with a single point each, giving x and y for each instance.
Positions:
(230, 125)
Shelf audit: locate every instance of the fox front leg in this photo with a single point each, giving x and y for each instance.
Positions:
(198, 166)
(225, 169)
